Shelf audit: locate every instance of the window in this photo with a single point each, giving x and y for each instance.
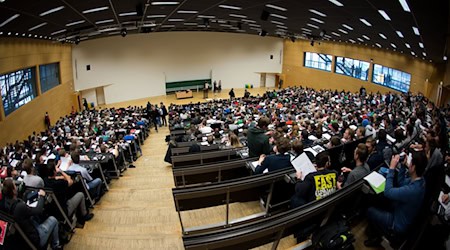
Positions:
(49, 76)
(352, 67)
(17, 88)
(318, 61)
(391, 78)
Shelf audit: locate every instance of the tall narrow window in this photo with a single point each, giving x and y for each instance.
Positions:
(17, 89)
(49, 76)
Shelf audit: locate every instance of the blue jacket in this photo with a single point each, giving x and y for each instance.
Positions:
(274, 162)
(407, 198)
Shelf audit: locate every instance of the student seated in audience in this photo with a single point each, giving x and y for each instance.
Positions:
(348, 136)
(257, 140)
(297, 148)
(234, 141)
(60, 182)
(278, 161)
(374, 159)
(316, 185)
(382, 141)
(362, 169)
(94, 185)
(24, 215)
(31, 180)
(406, 199)
(360, 133)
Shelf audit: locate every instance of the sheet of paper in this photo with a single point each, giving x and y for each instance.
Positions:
(254, 165)
(375, 179)
(312, 138)
(447, 180)
(446, 206)
(311, 150)
(64, 163)
(326, 136)
(318, 148)
(204, 143)
(303, 163)
(14, 163)
(390, 138)
(353, 127)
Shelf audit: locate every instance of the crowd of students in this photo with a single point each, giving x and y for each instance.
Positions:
(280, 124)
(52, 159)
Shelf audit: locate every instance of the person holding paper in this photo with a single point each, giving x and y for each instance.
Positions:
(315, 185)
(406, 199)
(277, 161)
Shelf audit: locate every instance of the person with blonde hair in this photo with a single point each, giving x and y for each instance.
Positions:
(234, 141)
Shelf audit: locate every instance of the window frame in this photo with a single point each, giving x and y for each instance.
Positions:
(386, 70)
(41, 79)
(353, 60)
(306, 66)
(8, 90)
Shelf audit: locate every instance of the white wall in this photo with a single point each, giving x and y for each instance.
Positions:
(138, 66)
(270, 80)
(90, 96)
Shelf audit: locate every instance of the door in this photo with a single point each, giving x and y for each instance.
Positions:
(262, 82)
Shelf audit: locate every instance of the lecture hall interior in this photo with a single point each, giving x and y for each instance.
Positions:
(224, 124)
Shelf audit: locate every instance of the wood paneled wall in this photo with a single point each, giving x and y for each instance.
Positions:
(296, 74)
(24, 53)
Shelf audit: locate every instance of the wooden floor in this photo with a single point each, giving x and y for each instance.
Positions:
(138, 212)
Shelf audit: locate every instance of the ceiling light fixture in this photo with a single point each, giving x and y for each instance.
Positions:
(51, 11)
(75, 23)
(203, 16)
(176, 20)
(37, 26)
(337, 3)
(316, 20)
(156, 16)
(336, 34)
(343, 31)
(187, 12)
(405, 5)
(351, 40)
(276, 22)
(105, 21)
(347, 26)
(95, 10)
(360, 39)
(275, 7)
(366, 37)
(312, 26)
(58, 32)
(248, 21)
(416, 31)
(238, 16)
(382, 35)
(231, 7)
(400, 34)
(421, 45)
(9, 20)
(393, 45)
(378, 45)
(317, 12)
(445, 58)
(424, 54)
(278, 16)
(132, 13)
(365, 22)
(384, 15)
(165, 3)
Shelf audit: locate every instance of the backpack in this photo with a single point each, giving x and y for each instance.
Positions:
(335, 235)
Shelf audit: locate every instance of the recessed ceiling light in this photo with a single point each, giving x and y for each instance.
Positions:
(336, 34)
(337, 3)
(378, 45)
(343, 31)
(165, 3)
(168, 26)
(275, 7)
(424, 54)
(9, 20)
(176, 20)
(190, 24)
(384, 15)
(351, 40)
(281, 27)
(405, 5)
(305, 29)
(399, 33)
(187, 12)
(132, 13)
(278, 16)
(1, 32)
(58, 32)
(360, 39)
(393, 45)
(75, 23)
(316, 20)
(105, 21)
(23, 34)
(52, 11)
(37, 26)
(231, 7)
(276, 22)
(382, 35)
(204, 16)
(416, 30)
(238, 16)
(365, 22)
(445, 58)
(156, 16)
(312, 26)
(407, 45)
(347, 26)
(317, 12)
(366, 37)
(248, 21)
(9, 33)
(421, 45)
(412, 53)
(95, 10)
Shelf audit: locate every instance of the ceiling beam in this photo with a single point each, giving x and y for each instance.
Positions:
(147, 5)
(171, 13)
(31, 15)
(79, 13)
(111, 4)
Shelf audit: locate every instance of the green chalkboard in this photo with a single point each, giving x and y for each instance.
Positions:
(184, 85)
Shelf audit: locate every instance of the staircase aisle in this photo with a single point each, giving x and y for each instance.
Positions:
(138, 212)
